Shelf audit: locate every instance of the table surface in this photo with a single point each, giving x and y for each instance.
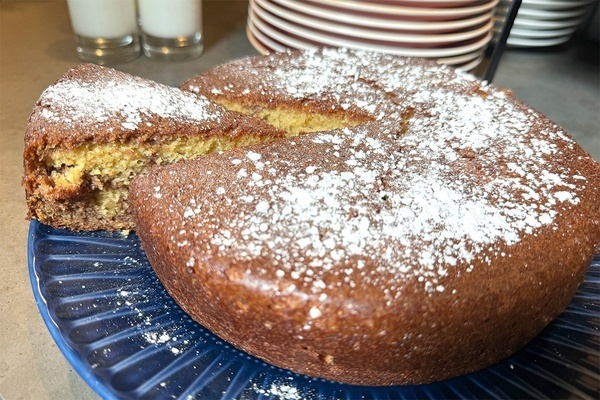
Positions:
(36, 47)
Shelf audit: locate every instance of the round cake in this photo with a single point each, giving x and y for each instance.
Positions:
(435, 232)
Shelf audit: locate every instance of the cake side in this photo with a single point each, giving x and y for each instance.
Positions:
(96, 128)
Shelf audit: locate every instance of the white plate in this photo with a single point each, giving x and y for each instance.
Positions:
(541, 34)
(263, 44)
(472, 65)
(460, 59)
(525, 42)
(383, 22)
(302, 39)
(551, 14)
(548, 4)
(292, 22)
(554, 5)
(255, 42)
(427, 3)
(523, 22)
(272, 34)
(390, 9)
(265, 40)
(472, 60)
(258, 40)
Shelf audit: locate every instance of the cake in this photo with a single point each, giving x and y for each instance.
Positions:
(424, 225)
(95, 129)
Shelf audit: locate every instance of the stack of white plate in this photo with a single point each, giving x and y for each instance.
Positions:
(543, 23)
(454, 32)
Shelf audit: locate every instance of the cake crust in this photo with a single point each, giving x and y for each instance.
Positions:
(433, 240)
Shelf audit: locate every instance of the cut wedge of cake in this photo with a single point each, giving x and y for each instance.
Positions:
(96, 128)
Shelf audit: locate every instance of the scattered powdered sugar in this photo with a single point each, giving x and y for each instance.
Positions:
(152, 333)
(114, 95)
(315, 312)
(283, 392)
(156, 337)
(281, 389)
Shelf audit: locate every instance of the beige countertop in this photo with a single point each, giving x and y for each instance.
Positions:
(36, 47)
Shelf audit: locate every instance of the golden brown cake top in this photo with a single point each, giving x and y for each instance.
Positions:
(473, 173)
(96, 104)
(326, 79)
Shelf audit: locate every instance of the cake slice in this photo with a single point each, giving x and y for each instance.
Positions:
(96, 128)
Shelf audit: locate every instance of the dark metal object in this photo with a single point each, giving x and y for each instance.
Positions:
(494, 52)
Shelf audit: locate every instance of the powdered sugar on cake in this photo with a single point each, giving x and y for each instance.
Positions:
(125, 98)
(382, 194)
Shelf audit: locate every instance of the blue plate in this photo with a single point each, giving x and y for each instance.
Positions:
(128, 339)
